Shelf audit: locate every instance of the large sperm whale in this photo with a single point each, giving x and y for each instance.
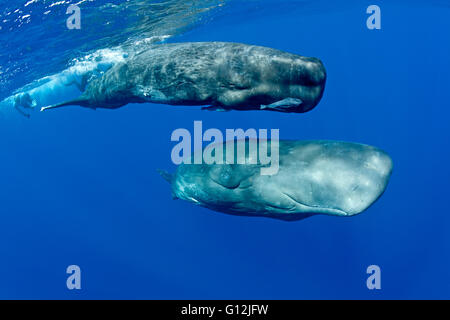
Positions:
(217, 75)
(314, 177)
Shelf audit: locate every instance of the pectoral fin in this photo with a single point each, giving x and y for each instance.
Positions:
(283, 105)
(215, 108)
(24, 100)
(169, 178)
(165, 175)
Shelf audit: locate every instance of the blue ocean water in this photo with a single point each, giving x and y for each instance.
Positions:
(81, 187)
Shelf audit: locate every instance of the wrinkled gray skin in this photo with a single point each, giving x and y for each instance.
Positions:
(314, 177)
(219, 75)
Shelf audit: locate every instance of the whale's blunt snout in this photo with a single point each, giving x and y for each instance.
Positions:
(307, 82)
(319, 72)
(373, 178)
(310, 73)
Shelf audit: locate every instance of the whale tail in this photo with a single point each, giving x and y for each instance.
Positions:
(81, 101)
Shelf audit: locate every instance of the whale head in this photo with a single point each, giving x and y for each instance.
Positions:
(301, 79)
(269, 79)
(306, 80)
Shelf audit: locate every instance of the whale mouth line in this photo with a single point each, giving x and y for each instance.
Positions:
(332, 211)
(296, 204)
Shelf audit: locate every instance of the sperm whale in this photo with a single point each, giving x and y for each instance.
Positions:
(219, 76)
(314, 177)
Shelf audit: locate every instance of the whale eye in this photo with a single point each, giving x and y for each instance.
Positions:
(224, 175)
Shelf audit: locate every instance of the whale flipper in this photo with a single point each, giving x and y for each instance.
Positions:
(169, 178)
(283, 105)
(77, 102)
(24, 100)
(166, 176)
(215, 108)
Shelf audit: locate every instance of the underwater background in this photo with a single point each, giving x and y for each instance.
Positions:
(81, 187)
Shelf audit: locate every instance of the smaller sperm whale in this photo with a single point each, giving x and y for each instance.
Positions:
(314, 177)
(217, 75)
(67, 84)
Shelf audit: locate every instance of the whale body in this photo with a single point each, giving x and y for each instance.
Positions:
(217, 75)
(314, 177)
